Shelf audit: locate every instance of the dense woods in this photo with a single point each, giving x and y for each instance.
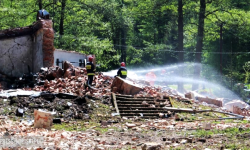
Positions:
(143, 33)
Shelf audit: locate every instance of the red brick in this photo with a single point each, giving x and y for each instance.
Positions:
(46, 23)
(48, 33)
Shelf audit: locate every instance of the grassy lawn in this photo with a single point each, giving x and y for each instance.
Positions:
(186, 86)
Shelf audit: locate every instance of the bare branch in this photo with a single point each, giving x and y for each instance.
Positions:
(194, 24)
(209, 1)
(51, 4)
(209, 13)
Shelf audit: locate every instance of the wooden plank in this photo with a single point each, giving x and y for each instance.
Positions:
(140, 99)
(139, 114)
(116, 107)
(139, 105)
(140, 108)
(134, 102)
(130, 96)
(145, 111)
(178, 109)
(171, 101)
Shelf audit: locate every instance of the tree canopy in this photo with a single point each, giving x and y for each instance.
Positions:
(146, 32)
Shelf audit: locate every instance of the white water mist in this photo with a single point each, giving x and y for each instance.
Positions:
(170, 74)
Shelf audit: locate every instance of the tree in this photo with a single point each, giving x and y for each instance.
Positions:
(61, 30)
(180, 41)
(123, 37)
(199, 43)
(40, 4)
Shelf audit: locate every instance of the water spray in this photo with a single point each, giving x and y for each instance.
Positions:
(172, 77)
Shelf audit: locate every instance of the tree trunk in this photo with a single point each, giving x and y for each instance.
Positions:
(117, 40)
(221, 26)
(180, 42)
(199, 43)
(61, 30)
(40, 4)
(123, 37)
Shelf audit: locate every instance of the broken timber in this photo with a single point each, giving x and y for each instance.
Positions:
(130, 106)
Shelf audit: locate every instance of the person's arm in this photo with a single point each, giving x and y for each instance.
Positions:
(93, 67)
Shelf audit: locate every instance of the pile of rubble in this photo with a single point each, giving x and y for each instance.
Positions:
(56, 85)
(161, 134)
(64, 93)
(70, 80)
(56, 90)
(62, 105)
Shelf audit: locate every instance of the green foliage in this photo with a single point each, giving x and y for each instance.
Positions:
(145, 32)
(246, 68)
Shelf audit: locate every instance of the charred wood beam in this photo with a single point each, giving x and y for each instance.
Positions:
(8, 33)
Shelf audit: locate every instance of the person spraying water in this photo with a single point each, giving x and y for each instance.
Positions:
(151, 77)
(122, 71)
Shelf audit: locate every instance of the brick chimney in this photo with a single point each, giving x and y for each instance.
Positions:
(48, 42)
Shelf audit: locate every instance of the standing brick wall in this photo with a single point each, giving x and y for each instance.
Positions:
(27, 49)
(48, 43)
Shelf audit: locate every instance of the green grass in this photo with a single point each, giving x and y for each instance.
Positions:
(6, 111)
(173, 86)
(69, 127)
(179, 104)
(82, 126)
(232, 121)
(190, 116)
(185, 86)
(229, 132)
(100, 112)
(237, 146)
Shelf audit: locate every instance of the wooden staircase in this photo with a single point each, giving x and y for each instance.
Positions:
(129, 106)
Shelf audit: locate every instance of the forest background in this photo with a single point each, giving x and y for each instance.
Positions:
(148, 33)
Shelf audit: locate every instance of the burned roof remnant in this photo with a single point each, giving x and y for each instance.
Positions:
(42, 14)
(8, 33)
(16, 32)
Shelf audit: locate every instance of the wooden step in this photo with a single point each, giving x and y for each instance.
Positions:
(129, 96)
(129, 106)
(136, 105)
(141, 99)
(138, 114)
(141, 108)
(143, 111)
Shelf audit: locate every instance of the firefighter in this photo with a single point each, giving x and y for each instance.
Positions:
(90, 71)
(122, 72)
(151, 77)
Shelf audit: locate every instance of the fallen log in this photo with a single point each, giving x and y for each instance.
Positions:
(126, 87)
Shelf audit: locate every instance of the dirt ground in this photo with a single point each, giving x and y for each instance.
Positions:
(100, 130)
(87, 120)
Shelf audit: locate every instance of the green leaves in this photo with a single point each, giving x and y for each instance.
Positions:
(142, 31)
